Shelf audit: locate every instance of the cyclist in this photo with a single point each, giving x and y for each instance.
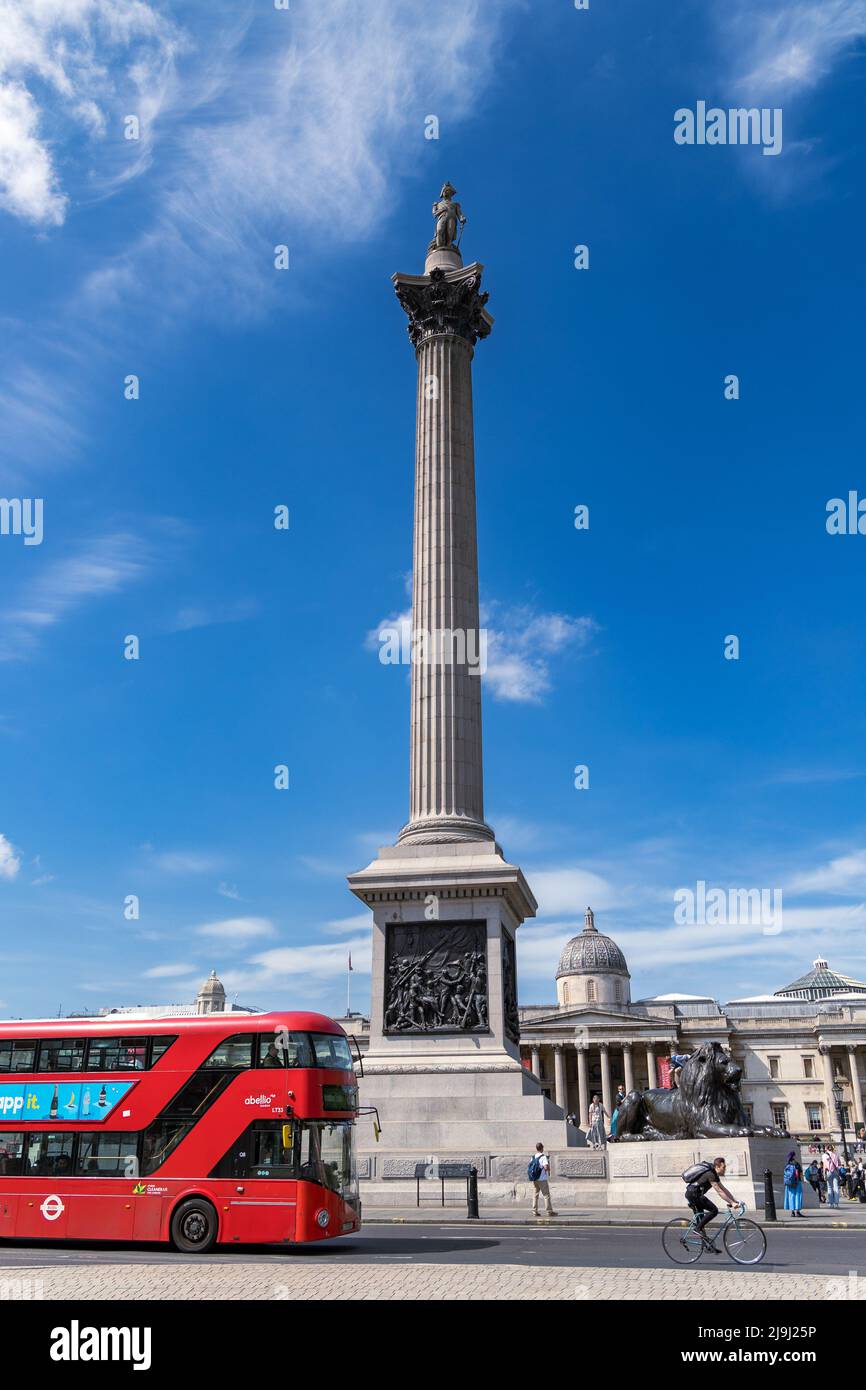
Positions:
(700, 1179)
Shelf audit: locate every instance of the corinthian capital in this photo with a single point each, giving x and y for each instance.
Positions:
(444, 302)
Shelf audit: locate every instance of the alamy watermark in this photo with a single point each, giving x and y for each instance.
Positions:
(732, 907)
(407, 646)
(22, 516)
(739, 125)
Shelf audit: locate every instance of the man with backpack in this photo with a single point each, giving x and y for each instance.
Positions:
(538, 1173)
(699, 1178)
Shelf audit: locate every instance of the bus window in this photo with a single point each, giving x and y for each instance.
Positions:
(117, 1054)
(332, 1050)
(62, 1054)
(268, 1156)
(17, 1056)
(111, 1155)
(285, 1049)
(232, 1054)
(49, 1155)
(11, 1149)
(161, 1139)
(160, 1046)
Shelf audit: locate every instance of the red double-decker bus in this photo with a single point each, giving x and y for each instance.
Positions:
(224, 1128)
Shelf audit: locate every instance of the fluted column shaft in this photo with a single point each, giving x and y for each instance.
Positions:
(446, 770)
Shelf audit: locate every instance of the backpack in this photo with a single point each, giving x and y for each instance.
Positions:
(696, 1171)
(791, 1175)
(533, 1172)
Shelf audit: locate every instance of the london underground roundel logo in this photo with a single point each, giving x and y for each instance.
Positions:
(52, 1208)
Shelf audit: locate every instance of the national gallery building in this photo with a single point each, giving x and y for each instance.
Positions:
(793, 1046)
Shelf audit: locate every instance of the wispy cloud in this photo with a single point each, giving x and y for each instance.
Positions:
(181, 861)
(167, 972)
(785, 46)
(237, 930)
(75, 65)
(845, 875)
(103, 566)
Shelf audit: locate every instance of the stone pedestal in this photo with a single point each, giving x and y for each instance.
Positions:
(444, 1091)
(649, 1173)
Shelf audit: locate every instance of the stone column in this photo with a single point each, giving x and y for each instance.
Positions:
(582, 1086)
(606, 1093)
(536, 1060)
(559, 1075)
(855, 1084)
(652, 1080)
(446, 318)
(629, 1069)
(827, 1064)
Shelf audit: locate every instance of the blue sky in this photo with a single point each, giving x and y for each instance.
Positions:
(261, 387)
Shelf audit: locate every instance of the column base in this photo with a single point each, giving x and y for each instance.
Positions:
(444, 830)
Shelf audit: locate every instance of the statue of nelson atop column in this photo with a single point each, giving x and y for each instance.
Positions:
(449, 219)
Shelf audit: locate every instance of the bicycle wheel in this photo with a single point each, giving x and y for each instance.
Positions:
(745, 1242)
(681, 1242)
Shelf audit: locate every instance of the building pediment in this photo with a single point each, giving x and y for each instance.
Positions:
(590, 1019)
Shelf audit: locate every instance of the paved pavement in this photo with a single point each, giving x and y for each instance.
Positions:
(846, 1217)
(447, 1262)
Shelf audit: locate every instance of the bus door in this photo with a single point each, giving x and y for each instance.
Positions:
(102, 1206)
(43, 1206)
(11, 1148)
(262, 1206)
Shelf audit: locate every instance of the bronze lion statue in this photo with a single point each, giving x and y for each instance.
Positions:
(705, 1105)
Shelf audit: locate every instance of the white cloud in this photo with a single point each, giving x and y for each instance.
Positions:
(321, 961)
(228, 890)
(520, 646)
(75, 66)
(341, 925)
(166, 972)
(571, 890)
(237, 929)
(103, 566)
(10, 860)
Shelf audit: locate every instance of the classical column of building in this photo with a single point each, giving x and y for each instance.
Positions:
(606, 1092)
(582, 1085)
(561, 1093)
(536, 1061)
(855, 1084)
(629, 1069)
(651, 1066)
(827, 1064)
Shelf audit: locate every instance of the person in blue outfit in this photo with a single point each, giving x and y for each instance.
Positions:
(793, 1178)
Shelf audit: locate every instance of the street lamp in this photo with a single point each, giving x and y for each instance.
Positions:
(837, 1096)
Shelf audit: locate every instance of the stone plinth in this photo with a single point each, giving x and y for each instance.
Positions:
(649, 1174)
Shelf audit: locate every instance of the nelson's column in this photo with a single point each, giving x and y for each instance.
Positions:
(443, 1065)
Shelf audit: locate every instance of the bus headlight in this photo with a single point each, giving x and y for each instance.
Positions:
(323, 1218)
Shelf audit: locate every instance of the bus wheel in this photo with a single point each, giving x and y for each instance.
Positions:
(194, 1226)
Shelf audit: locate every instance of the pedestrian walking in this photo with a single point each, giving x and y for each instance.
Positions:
(793, 1185)
(596, 1137)
(831, 1174)
(814, 1178)
(539, 1175)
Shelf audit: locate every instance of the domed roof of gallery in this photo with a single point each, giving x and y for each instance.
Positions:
(821, 983)
(591, 952)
